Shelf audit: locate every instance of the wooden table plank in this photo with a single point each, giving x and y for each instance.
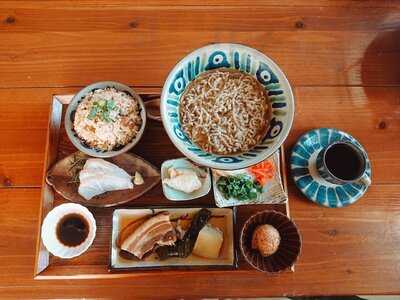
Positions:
(21, 16)
(371, 114)
(358, 245)
(213, 3)
(145, 57)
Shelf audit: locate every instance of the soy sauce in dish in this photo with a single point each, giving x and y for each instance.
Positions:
(72, 230)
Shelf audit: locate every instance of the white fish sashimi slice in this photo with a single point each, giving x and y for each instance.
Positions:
(113, 183)
(97, 164)
(99, 184)
(99, 176)
(86, 174)
(90, 188)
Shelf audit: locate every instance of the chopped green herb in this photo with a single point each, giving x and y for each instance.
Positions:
(93, 113)
(241, 187)
(102, 109)
(110, 104)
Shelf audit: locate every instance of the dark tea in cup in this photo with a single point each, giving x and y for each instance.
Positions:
(343, 162)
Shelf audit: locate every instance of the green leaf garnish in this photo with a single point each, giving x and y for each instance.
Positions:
(110, 104)
(102, 109)
(241, 187)
(101, 103)
(93, 113)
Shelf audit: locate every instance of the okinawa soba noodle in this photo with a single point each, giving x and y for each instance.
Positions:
(224, 111)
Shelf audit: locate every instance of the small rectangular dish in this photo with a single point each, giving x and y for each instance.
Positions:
(221, 218)
(272, 190)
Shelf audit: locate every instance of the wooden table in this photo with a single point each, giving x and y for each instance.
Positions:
(343, 59)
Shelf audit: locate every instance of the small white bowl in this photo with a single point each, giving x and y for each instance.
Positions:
(49, 228)
(72, 106)
(174, 195)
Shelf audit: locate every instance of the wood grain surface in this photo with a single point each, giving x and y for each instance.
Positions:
(341, 57)
(325, 46)
(27, 17)
(144, 58)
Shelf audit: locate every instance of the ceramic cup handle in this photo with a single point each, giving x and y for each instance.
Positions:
(153, 109)
(365, 179)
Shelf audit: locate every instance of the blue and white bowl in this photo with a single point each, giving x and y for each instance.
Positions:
(238, 57)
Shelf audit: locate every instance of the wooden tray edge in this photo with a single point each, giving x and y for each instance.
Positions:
(284, 183)
(46, 196)
(283, 176)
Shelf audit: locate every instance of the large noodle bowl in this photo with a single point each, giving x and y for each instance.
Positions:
(224, 111)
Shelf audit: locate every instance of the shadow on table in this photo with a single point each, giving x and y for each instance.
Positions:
(380, 64)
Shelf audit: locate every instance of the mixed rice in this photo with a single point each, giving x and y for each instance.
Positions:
(107, 119)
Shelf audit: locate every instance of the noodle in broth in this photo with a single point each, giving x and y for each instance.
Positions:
(224, 111)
